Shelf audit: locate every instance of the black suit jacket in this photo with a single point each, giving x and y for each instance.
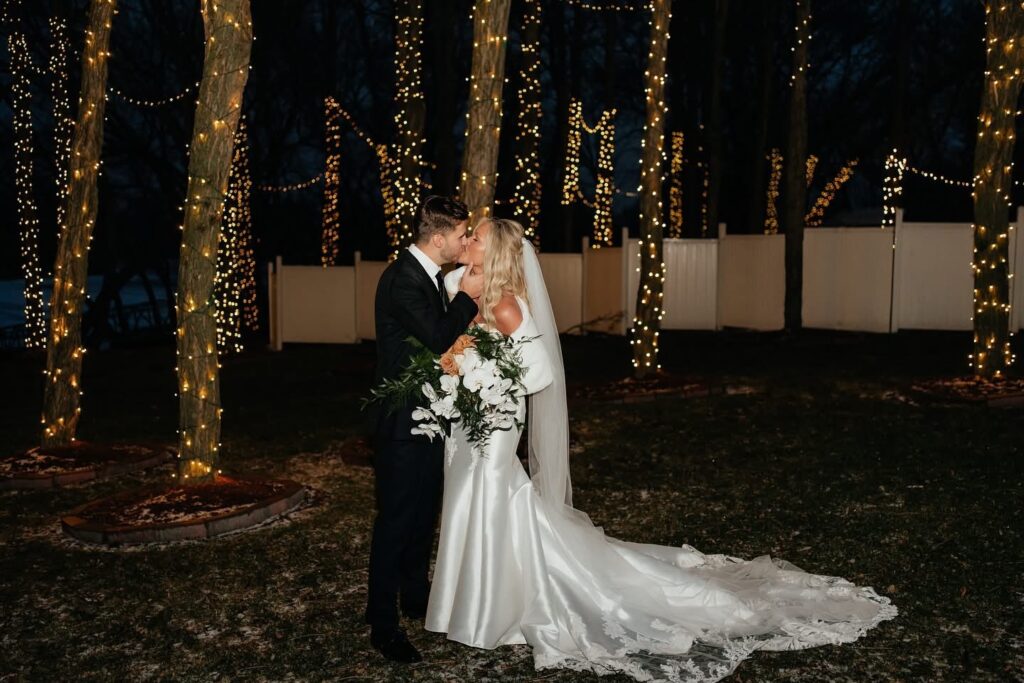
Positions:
(408, 305)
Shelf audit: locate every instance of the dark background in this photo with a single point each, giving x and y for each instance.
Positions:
(882, 74)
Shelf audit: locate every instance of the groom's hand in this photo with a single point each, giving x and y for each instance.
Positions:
(472, 284)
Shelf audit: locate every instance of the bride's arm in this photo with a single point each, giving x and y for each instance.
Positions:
(535, 360)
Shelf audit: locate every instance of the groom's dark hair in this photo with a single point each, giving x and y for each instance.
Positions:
(439, 214)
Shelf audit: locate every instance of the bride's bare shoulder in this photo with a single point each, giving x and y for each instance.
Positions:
(507, 314)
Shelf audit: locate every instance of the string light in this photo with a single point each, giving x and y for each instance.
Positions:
(329, 247)
(812, 164)
(526, 199)
(479, 175)
(605, 189)
(628, 7)
(803, 34)
(407, 161)
(993, 173)
(649, 312)
(892, 187)
(952, 182)
(28, 212)
(60, 46)
(139, 102)
(62, 389)
(235, 283)
(211, 162)
(292, 187)
(771, 214)
(675, 193)
(814, 217)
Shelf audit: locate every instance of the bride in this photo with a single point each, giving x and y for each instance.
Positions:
(518, 564)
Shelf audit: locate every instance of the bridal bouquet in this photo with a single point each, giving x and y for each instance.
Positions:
(473, 383)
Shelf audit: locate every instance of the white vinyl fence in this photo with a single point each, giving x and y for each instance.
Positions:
(912, 276)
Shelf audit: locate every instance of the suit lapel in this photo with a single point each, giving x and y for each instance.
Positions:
(421, 276)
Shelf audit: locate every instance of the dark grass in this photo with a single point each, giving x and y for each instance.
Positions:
(832, 463)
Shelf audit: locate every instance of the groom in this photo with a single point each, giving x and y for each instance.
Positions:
(412, 302)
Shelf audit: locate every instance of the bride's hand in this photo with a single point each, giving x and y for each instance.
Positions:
(472, 283)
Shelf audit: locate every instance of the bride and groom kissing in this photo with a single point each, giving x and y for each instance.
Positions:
(516, 562)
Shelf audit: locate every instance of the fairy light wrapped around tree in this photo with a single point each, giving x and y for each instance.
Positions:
(483, 115)
(409, 119)
(62, 389)
(649, 311)
(993, 177)
(527, 162)
(228, 29)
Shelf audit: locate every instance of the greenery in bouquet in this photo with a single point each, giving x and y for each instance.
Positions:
(475, 383)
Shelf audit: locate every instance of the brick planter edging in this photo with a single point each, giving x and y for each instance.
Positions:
(30, 480)
(77, 525)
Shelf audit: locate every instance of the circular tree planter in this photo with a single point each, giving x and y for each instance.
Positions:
(155, 515)
(1004, 393)
(43, 468)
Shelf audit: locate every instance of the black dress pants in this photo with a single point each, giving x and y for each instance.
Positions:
(409, 479)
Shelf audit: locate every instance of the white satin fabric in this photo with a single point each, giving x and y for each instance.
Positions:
(513, 568)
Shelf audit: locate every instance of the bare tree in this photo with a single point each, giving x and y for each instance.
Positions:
(647, 322)
(62, 392)
(993, 164)
(483, 119)
(228, 28)
(795, 179)
(715, 113)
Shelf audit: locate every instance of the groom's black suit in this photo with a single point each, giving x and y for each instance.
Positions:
(408, 467)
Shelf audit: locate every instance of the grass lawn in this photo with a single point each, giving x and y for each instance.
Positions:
(813, 449)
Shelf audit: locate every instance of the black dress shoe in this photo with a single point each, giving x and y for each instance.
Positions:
(393, 644)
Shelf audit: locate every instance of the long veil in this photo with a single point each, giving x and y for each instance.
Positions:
(548, 411)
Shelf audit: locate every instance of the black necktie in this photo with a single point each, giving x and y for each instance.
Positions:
(441, 290)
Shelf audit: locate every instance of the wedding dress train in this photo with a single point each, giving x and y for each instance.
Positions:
(514, 567)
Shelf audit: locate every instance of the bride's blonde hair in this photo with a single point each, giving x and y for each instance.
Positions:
(502, 266)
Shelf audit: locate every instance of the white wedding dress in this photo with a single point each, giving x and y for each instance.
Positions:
(516, 564)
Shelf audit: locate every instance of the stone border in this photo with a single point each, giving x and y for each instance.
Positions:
(77, 525)
(49, 480)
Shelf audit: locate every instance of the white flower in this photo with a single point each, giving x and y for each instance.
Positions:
(492, 395)
(428, 430)
(429, 392)
(421, 415)
(468, 360)
(449, 384)
(445, 407)
(478, 378)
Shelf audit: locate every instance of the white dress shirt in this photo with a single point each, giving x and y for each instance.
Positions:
(428, 264)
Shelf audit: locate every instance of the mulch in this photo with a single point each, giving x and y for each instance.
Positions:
(45, 467)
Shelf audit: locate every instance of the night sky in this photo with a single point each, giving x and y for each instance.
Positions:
(881, 73)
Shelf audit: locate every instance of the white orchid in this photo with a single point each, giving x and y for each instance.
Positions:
(479, 377)
(429, 392)
(468, 360)
(449, 384)
(445, 407)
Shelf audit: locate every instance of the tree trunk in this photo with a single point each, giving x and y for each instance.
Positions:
(993, 166)
(527, 163)
(483, 117)
(795, 175)
(903, 40)
(62, 394)
(228, 27)
(762, 115)
(330, 238)
(647, 322)
(410, 116)
(444, 92)
(715, 114)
